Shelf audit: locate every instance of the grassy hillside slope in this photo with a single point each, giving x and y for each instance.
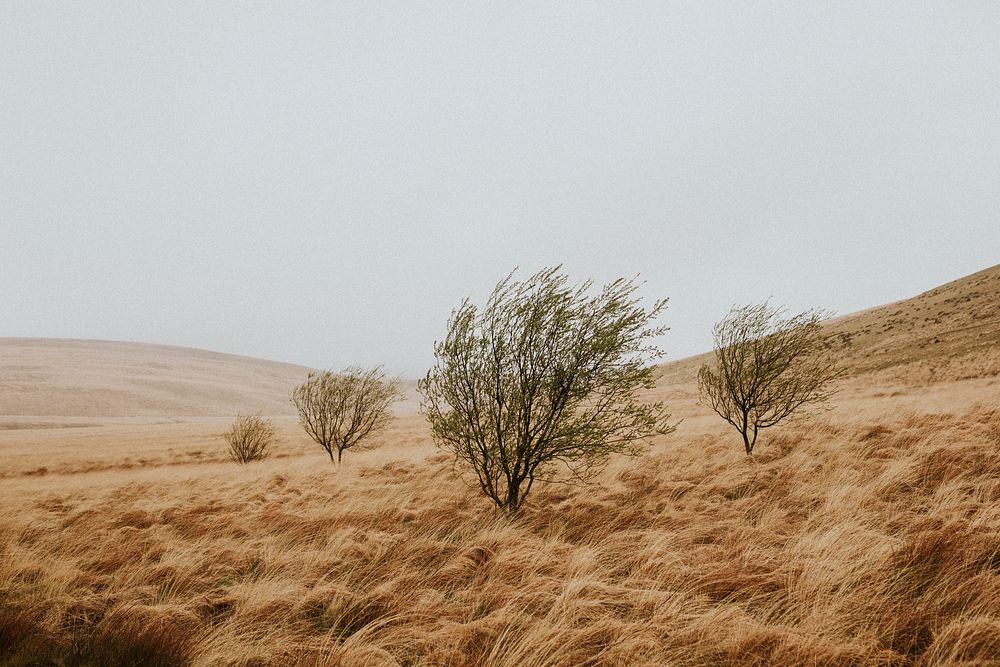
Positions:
(949, 332)
(951, 329)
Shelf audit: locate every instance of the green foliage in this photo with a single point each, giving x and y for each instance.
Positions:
(543, 382)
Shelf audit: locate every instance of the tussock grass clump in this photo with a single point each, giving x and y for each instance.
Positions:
(22, 636)
(142, 635)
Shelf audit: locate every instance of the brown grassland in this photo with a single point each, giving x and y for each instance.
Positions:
(868, 535)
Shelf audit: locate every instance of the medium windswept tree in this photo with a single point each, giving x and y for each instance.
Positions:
(341, 410)
(543, 383)
(768, 367)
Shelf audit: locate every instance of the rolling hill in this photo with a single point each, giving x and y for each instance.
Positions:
(83, 378)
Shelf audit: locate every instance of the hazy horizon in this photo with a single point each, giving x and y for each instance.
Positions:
(322, 184)
(419, 373)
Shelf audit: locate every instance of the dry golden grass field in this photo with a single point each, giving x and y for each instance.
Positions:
(868, 535)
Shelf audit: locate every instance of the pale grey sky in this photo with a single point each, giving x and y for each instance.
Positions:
(323, 182)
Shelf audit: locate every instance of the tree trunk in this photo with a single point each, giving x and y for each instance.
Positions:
(513, 503)
(747, 445)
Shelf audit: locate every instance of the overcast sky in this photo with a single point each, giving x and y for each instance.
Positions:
(323, 182)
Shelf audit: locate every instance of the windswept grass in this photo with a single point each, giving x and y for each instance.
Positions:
(869, 540)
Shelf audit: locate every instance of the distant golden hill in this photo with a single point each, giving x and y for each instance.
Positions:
(84, 378)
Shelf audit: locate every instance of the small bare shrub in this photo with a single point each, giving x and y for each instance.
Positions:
(249, 438)
(340, 410)
(767, 368)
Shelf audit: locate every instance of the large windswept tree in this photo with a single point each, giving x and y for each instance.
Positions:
(768, 367)
(340, 410)
(543, 383)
